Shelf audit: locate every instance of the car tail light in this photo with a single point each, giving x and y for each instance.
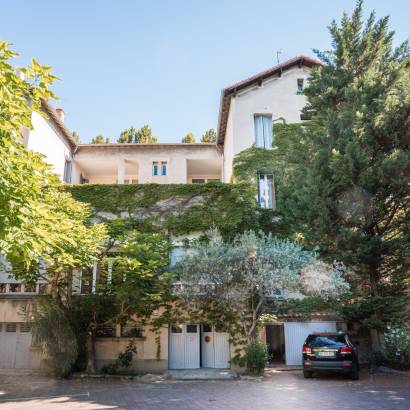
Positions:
(306, 349)
(346, 350)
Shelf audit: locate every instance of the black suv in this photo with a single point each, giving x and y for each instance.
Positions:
(329, 351)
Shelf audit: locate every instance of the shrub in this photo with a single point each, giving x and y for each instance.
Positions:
(256, 356)
(123, 361)
(397, 347)
(52, 330)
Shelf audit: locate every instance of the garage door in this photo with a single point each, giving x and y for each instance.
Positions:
(184, 347)
(296, 334)
(214, 348)
(15, 342)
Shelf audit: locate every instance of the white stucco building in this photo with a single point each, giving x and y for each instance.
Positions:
(247, 111)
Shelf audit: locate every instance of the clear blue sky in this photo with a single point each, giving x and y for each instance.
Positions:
(164, 62)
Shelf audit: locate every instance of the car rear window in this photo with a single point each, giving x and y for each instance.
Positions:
(329, 340)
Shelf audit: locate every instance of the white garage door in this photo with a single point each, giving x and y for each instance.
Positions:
(214, 348)
(15, 341)
(296, 334)
(184, 347)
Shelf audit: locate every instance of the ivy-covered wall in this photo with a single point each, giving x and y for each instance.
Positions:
(175, 209)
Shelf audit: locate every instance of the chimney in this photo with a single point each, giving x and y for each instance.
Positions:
(60, 114)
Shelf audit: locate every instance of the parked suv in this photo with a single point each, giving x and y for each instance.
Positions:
(329, 352)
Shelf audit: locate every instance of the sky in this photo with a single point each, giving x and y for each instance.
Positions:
(125, 63)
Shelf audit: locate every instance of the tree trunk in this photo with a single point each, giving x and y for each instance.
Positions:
(90, 350)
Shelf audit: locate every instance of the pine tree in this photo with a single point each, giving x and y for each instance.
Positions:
(350, 193)
(189, 138)
(141, 136)
(100, 139)
(209, 137)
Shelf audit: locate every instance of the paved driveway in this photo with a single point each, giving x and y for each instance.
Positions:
(285, 390)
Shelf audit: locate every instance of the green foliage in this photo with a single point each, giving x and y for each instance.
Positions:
(209, 136)
(37, 220)
(189, 138)
(238, 277)
(306, 306)
(174, 209)
(397, 347)
(15, 92)
(123, 361)
(256, 356)
(348, 189)
(100, 139)
(141, 136)
(76, 137)
(51, 328)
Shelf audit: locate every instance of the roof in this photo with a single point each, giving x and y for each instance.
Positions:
(227, 92)
(52, 115)
(153, 145)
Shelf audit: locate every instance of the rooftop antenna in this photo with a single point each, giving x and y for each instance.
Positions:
(280, 51)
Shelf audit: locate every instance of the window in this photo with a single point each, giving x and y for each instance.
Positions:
(198, 181)
(263, 131)
(105, 331)
(68, 168)
(131, 331)
(191, 328)
(266, 191)
(207, 328)
(15, 287)
(11, 327)
(24, 328)
(159, 168)
(163, 168)
(299, 86)
(134, 181)
(176, 329)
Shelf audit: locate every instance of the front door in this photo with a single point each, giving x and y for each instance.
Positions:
(184, 347)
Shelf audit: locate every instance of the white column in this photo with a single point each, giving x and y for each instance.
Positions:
(94, 282)
(121, 171)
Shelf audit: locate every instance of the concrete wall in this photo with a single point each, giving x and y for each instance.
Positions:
(276, 96)
(45, 139)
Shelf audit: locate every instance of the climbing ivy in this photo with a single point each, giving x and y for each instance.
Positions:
(174, 209)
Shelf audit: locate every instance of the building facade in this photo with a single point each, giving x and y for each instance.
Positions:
(247, 111)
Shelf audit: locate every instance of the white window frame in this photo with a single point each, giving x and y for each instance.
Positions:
(266, 142)
(264, 199)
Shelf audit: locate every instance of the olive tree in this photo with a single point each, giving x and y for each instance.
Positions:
(241, 275)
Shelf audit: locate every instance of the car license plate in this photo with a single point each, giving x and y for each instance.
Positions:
(326, 354)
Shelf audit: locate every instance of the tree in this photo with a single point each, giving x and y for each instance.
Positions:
(189, 138)
(100, 139)
(144, 136)
(239, 276)
(141, 136)
(38, 222)
(128, 136)
(138, 285)
(350, 192)
(76, 137)
(209, 136)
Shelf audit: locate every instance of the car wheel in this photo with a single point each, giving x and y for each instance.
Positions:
(354, 375)
(307, 374)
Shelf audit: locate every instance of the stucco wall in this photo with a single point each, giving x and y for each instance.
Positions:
(102, 164)
(44, 138)
(276, 96)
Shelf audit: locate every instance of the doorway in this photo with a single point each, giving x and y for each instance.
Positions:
(275, 341)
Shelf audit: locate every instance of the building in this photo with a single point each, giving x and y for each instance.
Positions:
(247, 111)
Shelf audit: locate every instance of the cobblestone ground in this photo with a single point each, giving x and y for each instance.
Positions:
(284, 390)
